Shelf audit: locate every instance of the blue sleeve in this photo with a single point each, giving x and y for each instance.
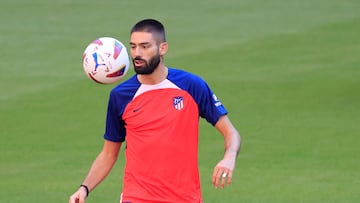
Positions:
(210, 107)
(115, 128)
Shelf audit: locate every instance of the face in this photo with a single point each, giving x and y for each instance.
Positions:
(145, 52)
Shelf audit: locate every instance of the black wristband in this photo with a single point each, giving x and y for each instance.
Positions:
(86, 188)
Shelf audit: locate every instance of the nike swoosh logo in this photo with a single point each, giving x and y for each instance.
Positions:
(137, 109)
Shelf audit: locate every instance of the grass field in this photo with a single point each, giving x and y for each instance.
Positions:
(287, 71)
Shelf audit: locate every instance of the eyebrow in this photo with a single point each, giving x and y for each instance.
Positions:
(142, 43)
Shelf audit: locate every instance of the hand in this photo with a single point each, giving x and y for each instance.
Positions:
(222, 174)
(79, 196)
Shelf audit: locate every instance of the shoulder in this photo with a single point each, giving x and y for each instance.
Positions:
(125, 90)
(184, 78)
(128, 85)
(178, 73)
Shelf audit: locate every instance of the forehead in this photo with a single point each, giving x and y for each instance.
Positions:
(141, 37)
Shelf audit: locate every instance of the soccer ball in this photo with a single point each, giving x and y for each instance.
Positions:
(106, 60)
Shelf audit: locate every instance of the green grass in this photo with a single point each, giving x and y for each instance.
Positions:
(287, 71)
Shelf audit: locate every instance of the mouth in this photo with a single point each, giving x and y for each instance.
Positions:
(139, 62)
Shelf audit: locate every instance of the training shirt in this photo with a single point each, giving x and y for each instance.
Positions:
(160, 125)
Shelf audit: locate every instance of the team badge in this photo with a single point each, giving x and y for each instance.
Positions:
(178, 103)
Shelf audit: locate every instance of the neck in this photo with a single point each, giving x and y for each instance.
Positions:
(159, 75)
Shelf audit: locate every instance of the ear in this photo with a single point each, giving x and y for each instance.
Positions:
(163, 48)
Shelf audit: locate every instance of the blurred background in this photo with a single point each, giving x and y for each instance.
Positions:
(287, 71)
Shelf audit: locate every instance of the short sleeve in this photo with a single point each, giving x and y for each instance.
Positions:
(115, 126)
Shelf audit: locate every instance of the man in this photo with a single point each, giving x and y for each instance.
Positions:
(157, 112)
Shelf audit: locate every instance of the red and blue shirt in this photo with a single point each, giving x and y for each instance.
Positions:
(160, 125)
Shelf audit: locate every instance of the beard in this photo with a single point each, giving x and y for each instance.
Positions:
(148, 67)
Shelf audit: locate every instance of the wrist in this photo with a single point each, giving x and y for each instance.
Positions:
(86, 189)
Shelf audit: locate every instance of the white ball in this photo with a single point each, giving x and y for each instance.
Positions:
(106, 60)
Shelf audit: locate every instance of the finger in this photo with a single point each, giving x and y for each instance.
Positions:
(73, 199)
(215, 176)
(78, 197)
(229, 179)
(81, 199)
(224, 177)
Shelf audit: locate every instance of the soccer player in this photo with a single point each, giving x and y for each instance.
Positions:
(157, 112)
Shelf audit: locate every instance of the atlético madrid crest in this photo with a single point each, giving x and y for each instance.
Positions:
(178, 102)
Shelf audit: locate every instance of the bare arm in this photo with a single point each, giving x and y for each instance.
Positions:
(100, 168)
(224, 169)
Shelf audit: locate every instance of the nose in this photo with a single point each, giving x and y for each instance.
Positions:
(135, 52)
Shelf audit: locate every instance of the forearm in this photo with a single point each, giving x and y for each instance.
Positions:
(232, 140)
(99, 170)
(232, 144)
(224, 169)
(102, 165)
